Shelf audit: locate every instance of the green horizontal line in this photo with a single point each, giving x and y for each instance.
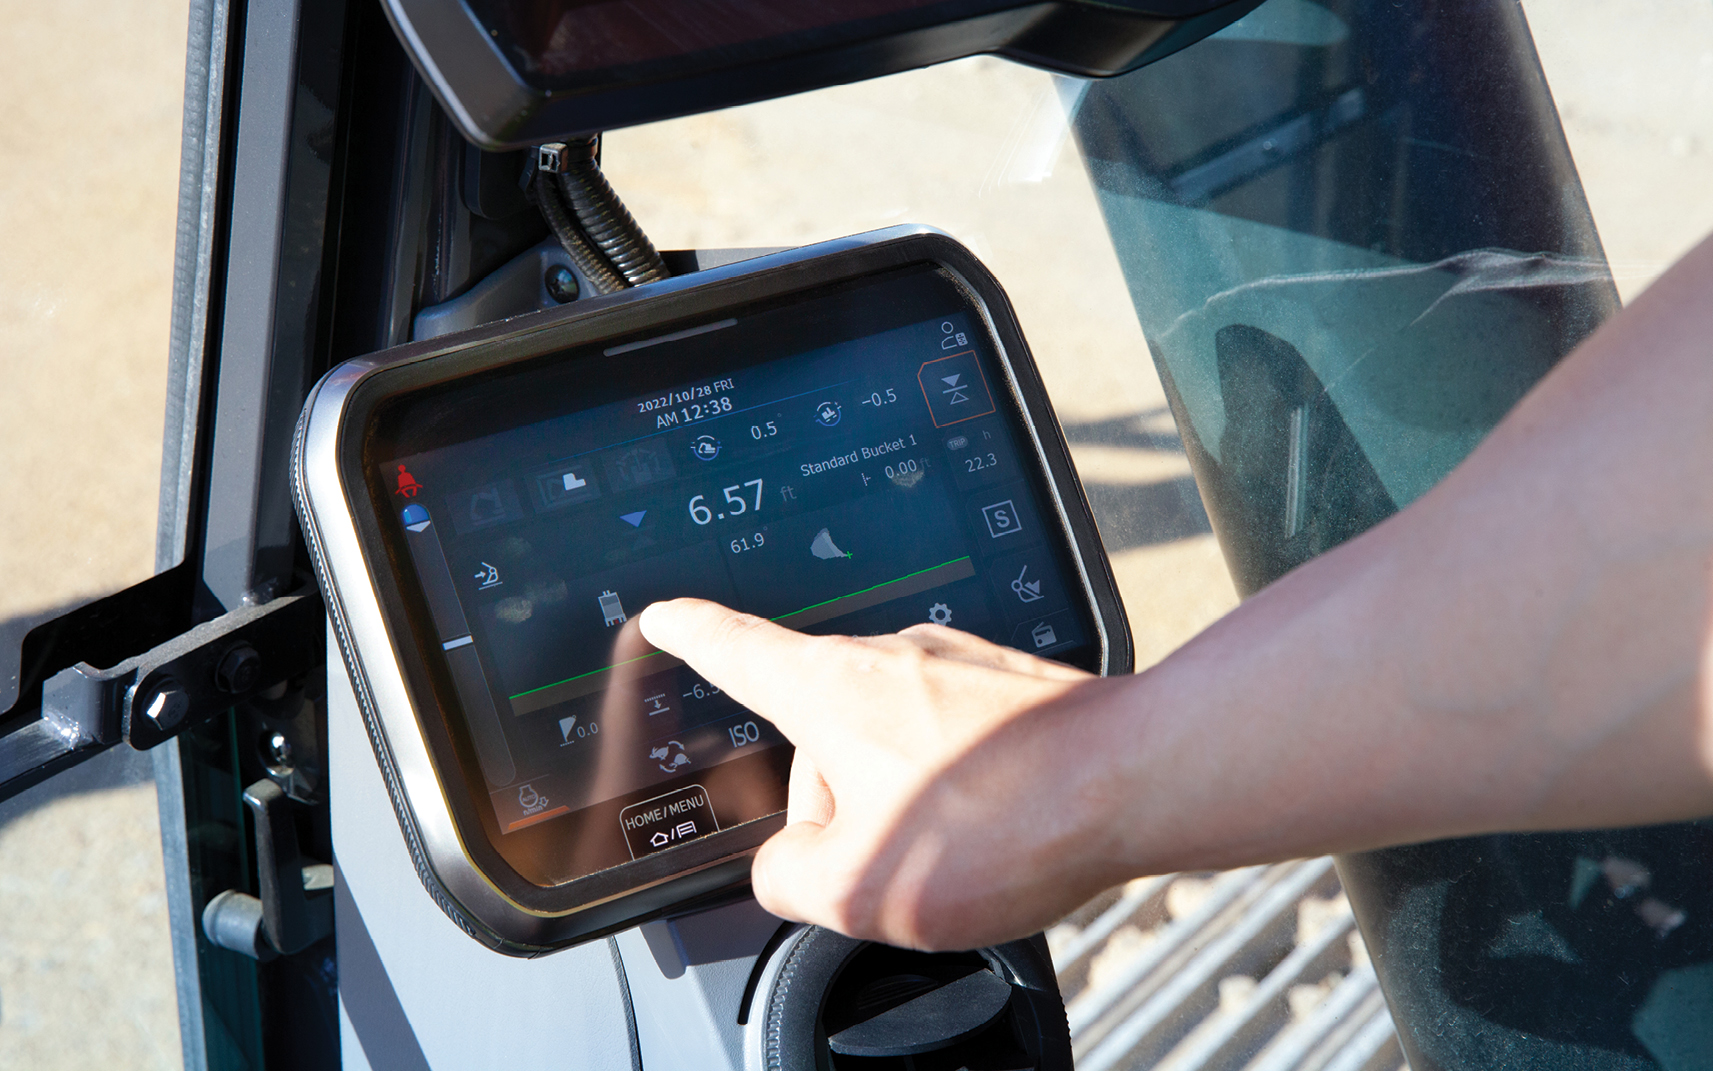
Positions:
(591, 673)
(872, 587)
(781, 617)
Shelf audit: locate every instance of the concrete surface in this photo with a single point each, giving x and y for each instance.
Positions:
(86, 976)
(90, 99)
(1634, 88)
(87, 208)
(87, 199)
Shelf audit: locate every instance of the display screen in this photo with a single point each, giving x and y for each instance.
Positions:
(562, 43)
(848, 461)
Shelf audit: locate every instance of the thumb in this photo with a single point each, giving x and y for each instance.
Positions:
(790, 874)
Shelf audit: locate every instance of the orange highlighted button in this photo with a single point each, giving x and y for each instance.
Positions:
(955, 389)
(534, 818)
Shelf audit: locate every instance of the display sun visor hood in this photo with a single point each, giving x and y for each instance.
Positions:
(521, 72)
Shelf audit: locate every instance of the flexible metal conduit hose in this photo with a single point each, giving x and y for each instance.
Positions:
(604, 218)
(590, 264)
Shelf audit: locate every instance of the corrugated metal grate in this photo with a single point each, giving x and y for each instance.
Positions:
(1259, 969)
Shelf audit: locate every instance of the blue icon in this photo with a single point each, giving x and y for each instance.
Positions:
(415, 517)
(827, 414)
(706, 448)
(633, 519)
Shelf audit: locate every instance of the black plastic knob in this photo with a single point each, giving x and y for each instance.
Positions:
(937, 1019)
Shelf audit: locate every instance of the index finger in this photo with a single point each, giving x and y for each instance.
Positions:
(753, 660)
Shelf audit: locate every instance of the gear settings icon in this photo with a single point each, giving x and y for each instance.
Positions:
(940, 614)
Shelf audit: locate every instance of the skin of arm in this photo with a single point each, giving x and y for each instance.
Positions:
(1526, 647)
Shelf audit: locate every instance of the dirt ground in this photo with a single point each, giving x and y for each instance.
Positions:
(87, 203)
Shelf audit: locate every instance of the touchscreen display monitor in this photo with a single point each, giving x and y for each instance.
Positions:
(567, 42)
(849, 461)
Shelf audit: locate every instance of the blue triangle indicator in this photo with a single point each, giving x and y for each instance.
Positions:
(633, 519)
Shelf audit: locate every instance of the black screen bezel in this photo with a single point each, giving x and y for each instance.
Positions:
(499, 107)
(495, 354)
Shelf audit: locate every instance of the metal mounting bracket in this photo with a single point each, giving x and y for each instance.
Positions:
(152, 697)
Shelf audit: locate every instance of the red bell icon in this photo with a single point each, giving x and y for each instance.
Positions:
(408, 487)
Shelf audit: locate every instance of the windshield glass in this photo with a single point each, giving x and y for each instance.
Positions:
(90, 139)
(1348, 237)
(1355, 236)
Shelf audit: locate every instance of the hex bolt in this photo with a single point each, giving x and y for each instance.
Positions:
(238, 669)
(166, 704)
(561, 283)
(279, 750)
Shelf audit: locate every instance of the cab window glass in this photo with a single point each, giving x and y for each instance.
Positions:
(1355, 234)
(1338, 213)
(88, 198)
(981, 148)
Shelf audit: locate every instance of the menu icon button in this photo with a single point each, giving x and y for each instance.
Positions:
(661, 822)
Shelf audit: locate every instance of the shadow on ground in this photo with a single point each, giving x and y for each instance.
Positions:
(117, 766)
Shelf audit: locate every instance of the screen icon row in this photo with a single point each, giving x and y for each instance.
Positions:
(558, 486)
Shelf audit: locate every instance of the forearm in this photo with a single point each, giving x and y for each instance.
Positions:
(1523, 648)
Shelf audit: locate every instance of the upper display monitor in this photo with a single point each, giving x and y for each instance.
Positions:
(858, 453)
(514, 73)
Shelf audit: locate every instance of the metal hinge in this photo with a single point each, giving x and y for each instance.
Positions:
(152, 697)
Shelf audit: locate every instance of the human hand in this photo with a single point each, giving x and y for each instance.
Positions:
(941, 795)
